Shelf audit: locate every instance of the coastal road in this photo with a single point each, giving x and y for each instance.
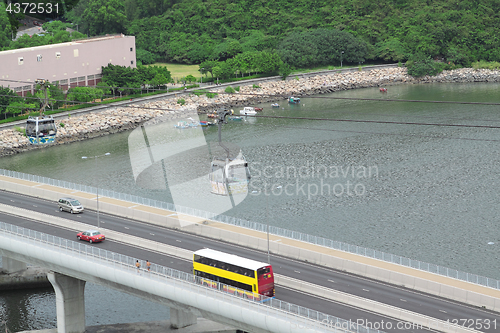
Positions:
(428, 305)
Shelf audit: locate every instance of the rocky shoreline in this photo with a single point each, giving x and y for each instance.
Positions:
(118, 119)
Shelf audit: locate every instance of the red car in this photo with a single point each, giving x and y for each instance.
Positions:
(93, 236)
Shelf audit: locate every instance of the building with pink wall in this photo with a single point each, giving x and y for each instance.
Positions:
(72, 64)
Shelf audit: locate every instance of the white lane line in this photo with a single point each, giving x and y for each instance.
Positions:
(35, 206)
(443, 311)
(297, 272)
(127, 228)
(178, 240)
(402, 300)
(331, 281)
(151, 234)
(365, 289)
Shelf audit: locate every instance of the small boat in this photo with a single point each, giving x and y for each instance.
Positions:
(182, 124)
(204, 123)
(275, 105)
(248, 111)
(193, 123)
(235, 118)
(212, 115)
(294, 100)
(383, 90)
(259, 109)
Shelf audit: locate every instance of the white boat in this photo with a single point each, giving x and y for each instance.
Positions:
(248, 111)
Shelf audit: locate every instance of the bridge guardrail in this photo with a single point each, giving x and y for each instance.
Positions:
(316, 240)
(314, 319)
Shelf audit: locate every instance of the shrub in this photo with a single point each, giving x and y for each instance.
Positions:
(256, 86)
(61, 124)
(486, 65)
(211, 95)
(237, 88)
(230, 90)
(181, 101)
(419, 65)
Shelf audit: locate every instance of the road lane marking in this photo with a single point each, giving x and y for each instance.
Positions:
(402, 300)
(331, 281)
(127, 228)
(297, 272)
(365, 289)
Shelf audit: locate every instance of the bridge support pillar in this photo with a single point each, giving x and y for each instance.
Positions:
(12, 266)
(70, 303)
(180, 318)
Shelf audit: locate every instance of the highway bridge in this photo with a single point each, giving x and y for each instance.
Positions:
(322, 290)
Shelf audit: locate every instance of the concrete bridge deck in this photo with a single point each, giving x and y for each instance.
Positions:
(400, 275)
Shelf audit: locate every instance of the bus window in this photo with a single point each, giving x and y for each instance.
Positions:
(263, 271)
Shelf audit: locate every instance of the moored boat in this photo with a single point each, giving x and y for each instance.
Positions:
(248, 111)
(294, 100)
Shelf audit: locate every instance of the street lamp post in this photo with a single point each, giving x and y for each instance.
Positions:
(341, 53)
(97, 184)
(267, 218)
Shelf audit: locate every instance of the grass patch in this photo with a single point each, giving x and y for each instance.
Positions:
(20, 130)
(179, 70)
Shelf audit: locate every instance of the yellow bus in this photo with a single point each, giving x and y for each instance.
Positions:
(234, 274)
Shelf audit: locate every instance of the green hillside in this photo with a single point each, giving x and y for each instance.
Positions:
(192, 31)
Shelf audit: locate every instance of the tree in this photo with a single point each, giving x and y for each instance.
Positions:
(5, 31)
(158, 81)
(190, 78)
(7, 96)
(84, 94)
(122, 79)
(391, 49)
(57, 95)
(55, 26)
(104, 16)
(321, 47)
(420, 65)
(145, 57)
(208, 66)
(19, 106)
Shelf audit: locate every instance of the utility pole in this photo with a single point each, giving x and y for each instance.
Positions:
(44, 84)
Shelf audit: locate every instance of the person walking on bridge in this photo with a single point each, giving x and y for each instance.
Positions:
(138, 265)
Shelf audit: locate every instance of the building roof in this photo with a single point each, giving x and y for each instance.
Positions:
(75, 42)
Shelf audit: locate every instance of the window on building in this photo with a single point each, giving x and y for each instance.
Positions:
(75, 53)
(20, 60)
(38, 57)
(58, 55)
(131, 62)
(131, 49)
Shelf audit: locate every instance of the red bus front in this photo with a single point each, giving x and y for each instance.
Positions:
(265, 278)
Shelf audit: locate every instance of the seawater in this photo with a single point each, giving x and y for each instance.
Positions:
(373, 178)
